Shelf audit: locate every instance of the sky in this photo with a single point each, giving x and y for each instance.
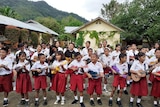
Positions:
(88, 9)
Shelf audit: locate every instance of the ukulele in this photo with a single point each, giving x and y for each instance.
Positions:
(114, 67)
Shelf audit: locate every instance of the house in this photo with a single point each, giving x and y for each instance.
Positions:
(96, 31)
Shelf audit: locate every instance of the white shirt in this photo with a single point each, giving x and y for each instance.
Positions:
(20, 64)
(57, 64)
(107, 60)
(98, 68)
(60, 49)
(123, 68)
(84, 51)
(11, 56)
(136, 66)
(77, 64)
(45, 52)
(157, 69)
(100, 51)
(7, 62)
(34, 55)
(115, 54)
(38, 65)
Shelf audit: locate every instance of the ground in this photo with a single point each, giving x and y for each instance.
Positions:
(14, 99)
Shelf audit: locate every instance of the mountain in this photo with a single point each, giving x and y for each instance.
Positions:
(31, 10)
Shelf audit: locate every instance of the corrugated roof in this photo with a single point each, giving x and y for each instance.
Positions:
(40, 26)
(4, 20)
(69, 29)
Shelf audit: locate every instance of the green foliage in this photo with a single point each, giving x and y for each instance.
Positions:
(71, 21)
(34, 38)
(66, 37)
(94, 34)
(30, 10)
(80, 39)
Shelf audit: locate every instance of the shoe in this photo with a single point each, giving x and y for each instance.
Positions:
(117, 91)
(130, 104)
(74, 102)
(125, 92)
(5, 103)
(45, 102)
(82, 104)
(22, 102)
(119, 103)
(110, 102)
(27, 103)
(99, 101)
(92, 103)
(155, 105)
(36, 103)
(128, 85)
(62, 102)
(57, 101)
(139, 105)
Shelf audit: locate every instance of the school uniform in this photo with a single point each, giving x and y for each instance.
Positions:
(40, 81)
(6, 76)
(139, 88)
(23, 81)
(59, 80)
(77, 77)
(95, 83)
(107, 60)
(120, 80)
(155, 84)
(115, 55)
(84, 51)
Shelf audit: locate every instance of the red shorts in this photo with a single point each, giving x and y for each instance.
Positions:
(95, 85)
(59, 83)
(119, 81)
(107, 70)
(76, 81)
(139, 88)
(6, 83)
(155, 88)
(23, 83)
(40, 82)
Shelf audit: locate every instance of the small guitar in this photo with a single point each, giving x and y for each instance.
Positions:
(114, 67)
(20, 69)
(137, 78)
(93, 74)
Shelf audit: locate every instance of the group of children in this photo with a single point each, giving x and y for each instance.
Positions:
(79, 65)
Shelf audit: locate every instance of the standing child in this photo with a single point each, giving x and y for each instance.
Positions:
(95, 75)
(23, 81)
(40, 80)
(139, 88)
(119, 70)
(5, 74)
(59, 80)
(77, 78)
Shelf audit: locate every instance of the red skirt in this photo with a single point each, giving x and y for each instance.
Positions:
(107, 70)
(155, 91)
(6, 83)
(151, 77)
(119, 81)
(139, 88)
(40, 82)
(23, 83)
(94, 85)
(76, 81)
(59, 83)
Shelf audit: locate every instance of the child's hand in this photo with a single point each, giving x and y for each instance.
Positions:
(38, 70)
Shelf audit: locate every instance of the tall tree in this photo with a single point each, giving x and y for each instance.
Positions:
(71, 21)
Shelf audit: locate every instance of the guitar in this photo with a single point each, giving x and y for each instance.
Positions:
(20, 69)
(93, 74)
(114, 67)
(57, 68)
(137, 78)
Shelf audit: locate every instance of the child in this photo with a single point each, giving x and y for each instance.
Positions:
(122, 68)
(59, 80)
(106, 59)
(23, 81)
(40, 81)
(140, 87)
(95, 75)
(76, 80)
(5, 74)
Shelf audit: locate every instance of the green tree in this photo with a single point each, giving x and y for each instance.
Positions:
(71, 21)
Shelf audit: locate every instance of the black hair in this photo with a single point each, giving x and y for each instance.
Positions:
(122, 55)
(140, 54)
(123, 49)
(157, 49)
(118, 45)
(5, 49)
(88, 42)
(20, 45)
(17, 57)
(21, 53)
(60, 53)
(77, 54)
(90, 49)
(40, 54)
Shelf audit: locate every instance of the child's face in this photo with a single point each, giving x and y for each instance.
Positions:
(106, 52)
(124, 59)
(22, 57)
(78, 58)
(58, 57)
(42, 58)
(3, 53)
(142, 58)
(94, 58)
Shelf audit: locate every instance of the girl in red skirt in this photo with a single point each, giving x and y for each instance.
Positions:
(155, 92)
(140, 87)
(95, 74)
(40, 81)
(59, 80)
(23, 81)
(119, 78)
